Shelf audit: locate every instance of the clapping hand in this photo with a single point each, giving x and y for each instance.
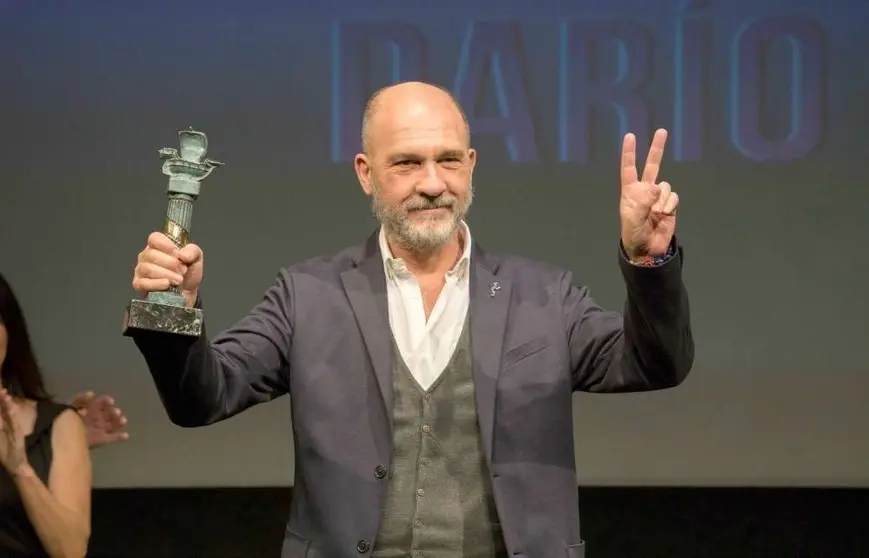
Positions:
(13, 452)
(103, 419)
(647, 208)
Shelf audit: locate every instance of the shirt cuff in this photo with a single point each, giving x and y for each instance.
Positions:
(651, 261)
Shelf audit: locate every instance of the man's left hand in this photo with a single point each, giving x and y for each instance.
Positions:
(103, 419)
(647, 208)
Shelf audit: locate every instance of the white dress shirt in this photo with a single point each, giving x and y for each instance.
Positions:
(426, 345)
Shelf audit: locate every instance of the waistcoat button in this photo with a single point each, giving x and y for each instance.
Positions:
(363, 546)
(380, 471)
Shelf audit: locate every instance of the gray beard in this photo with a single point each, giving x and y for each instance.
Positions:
(400, 229)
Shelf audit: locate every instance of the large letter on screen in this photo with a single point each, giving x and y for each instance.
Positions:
(494, 45)
(692, 53)
(580, 88)
(804, 71)
(351, 70)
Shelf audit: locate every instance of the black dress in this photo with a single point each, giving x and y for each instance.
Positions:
(17, 536)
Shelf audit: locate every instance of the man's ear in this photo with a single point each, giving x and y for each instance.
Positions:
(363, 172)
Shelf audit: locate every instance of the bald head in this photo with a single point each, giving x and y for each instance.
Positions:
(404, 102)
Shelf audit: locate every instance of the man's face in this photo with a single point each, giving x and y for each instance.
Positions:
(419, 174)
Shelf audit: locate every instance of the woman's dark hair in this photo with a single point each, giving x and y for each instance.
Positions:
(20, 371)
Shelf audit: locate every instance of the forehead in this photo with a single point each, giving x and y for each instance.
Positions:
(421, 128)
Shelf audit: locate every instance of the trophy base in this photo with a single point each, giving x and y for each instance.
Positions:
(146, 315)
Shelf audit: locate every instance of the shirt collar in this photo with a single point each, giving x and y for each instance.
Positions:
(396, 266)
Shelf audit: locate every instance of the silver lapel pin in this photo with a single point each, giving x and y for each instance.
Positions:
(494, 289)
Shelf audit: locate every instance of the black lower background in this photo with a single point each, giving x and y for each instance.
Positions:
(617, 522)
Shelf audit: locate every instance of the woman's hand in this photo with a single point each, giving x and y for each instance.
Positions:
(13, 453)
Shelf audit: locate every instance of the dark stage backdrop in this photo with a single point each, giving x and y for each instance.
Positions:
(636, 522)
(765, 102)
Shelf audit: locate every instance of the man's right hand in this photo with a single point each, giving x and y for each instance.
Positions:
(161, 265)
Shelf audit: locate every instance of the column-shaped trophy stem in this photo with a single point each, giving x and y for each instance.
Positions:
(179, 220)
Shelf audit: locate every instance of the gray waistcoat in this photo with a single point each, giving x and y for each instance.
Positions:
(439, 500)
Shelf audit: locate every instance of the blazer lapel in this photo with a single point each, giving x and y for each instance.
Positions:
(366, 289)
(490, 303)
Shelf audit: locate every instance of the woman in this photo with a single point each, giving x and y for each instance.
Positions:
(45, 468)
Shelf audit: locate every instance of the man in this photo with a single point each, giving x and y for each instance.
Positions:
(431, 381)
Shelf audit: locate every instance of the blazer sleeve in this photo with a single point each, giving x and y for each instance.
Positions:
(649, 347)
(201, 382)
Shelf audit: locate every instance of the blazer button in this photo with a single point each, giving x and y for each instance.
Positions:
(363, 546)
(380, 472)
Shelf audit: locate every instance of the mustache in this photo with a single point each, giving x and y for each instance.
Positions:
(423, 204)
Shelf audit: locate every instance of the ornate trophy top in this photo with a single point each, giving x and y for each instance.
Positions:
(190, 164)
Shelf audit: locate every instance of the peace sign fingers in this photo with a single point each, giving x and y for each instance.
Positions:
(656, 153)
(647, 208)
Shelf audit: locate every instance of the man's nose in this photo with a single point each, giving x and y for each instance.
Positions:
(431, 185)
